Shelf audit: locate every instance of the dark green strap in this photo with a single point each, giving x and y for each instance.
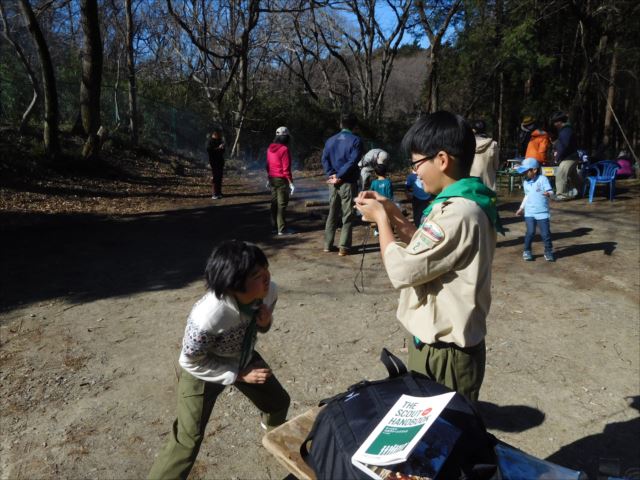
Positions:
(249, 334)
(393, 364)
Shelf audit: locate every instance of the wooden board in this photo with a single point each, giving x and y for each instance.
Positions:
(284, 443)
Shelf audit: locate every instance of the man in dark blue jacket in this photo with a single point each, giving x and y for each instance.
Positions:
(340, 162)
(565, 152)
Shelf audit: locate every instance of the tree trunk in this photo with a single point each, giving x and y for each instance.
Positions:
(30, 73)
(429, 94)
(51, 114)
(611, 91)
(131, 70)
(91, 77)
(499, 91)
(430, 97)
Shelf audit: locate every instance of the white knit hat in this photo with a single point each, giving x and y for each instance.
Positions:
(282, 131)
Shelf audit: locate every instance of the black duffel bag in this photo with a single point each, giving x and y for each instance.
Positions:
(349, 417)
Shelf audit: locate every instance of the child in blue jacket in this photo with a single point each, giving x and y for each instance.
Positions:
(535, 207)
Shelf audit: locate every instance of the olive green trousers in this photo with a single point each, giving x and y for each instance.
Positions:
(341, 199)
(195, 403)
(460, 369)
(279, 202)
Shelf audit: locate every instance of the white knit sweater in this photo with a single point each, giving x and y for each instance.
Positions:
(212, 342)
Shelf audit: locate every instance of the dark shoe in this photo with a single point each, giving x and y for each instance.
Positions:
(330, 249)
(549, 257)
(527, 257)
(344, 251)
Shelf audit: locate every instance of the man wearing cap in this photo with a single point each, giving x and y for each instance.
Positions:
(565, 153)
(526, 127)
(340, 162)
(370, 159)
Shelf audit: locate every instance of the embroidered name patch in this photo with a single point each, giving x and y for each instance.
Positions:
(430, 234)
(433, 232)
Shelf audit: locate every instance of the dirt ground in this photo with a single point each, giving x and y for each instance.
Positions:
(94, 304)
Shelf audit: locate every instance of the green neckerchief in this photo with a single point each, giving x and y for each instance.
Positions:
(346, 130)
(249, 334)
(473, 189)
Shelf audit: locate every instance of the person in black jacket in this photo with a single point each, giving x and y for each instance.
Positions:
(215, 150)
(565, 155)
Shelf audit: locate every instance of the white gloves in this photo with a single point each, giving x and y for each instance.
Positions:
(291, 188)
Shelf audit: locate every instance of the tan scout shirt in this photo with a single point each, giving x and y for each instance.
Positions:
(444, 274)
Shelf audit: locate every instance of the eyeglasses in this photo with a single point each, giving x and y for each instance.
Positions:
(416, 165)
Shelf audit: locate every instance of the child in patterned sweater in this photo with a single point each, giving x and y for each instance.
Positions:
(218, 350)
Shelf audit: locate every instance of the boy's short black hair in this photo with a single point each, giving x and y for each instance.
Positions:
(230, 264)
(380, 169)
(442, 131)
(348, 120)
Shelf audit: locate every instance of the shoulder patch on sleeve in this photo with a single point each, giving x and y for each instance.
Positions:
(429, 235)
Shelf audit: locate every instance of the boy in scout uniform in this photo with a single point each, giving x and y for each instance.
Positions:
(442, 268)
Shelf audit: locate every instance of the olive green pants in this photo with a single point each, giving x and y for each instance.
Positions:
(279, 202)
(341, 199)
(195, 403)
(460, 369)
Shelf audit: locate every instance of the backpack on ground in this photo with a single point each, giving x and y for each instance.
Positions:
(349, 417)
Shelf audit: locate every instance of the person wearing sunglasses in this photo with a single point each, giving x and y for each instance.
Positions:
(443, 267)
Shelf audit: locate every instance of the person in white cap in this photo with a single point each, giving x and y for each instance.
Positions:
(280, 180)
(535, 208)
(375, 156)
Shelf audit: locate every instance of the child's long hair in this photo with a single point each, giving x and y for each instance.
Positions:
(230, 264)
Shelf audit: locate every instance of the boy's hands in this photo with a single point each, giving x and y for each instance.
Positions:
(254, 374)
(263, 317)
(372, 206)
(520, 212)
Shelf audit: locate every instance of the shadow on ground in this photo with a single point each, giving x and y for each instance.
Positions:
(576, 232)
(614, 452)
(510, 418)
(89, 257)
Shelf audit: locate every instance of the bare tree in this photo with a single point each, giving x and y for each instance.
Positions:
(373, 50)
(435, 21)
(27, 66)
(305, 43)
(217, 51)
(90, 86)
(51, 113)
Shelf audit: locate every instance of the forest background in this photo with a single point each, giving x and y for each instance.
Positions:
(165, 72)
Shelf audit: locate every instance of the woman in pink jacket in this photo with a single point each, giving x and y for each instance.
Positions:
(280, 180)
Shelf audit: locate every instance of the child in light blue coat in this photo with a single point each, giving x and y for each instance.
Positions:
(535, 207)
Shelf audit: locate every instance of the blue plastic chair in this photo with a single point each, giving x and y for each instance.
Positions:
(601, 173)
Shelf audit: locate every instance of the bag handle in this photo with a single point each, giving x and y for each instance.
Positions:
(393, 364)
